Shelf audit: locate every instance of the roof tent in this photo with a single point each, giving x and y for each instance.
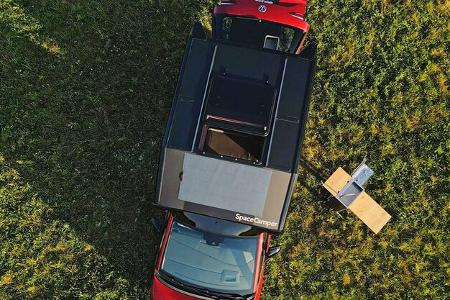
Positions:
(233, 138)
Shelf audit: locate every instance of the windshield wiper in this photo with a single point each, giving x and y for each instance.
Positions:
(190, 288)
(230, 295)
(205, 291)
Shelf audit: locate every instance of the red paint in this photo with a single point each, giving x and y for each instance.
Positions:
(287, 12)
(162, 247)
(260, 285)
(263, 265)
(258, 261)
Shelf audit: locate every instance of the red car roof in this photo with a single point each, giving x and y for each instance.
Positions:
(287, 12)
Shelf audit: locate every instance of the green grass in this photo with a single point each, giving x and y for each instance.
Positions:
(85, 89)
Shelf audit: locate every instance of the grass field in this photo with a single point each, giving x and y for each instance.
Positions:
(85, 90)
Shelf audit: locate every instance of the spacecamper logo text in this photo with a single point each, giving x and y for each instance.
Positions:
(255, 220)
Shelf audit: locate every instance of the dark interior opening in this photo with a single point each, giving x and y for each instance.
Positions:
(233, 144)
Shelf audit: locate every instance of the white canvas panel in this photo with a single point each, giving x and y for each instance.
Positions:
(224, 184)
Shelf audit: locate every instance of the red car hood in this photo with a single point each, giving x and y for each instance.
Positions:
(291, 12)
(160, 291)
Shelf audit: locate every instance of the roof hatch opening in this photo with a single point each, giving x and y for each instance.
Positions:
(233, 144)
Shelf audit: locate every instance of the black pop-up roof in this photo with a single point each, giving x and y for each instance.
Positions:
(234, 134)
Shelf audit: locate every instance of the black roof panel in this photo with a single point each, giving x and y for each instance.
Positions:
(259, 87)
(249, 102)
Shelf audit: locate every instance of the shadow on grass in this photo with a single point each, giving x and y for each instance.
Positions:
(317, 190)
(87, 88)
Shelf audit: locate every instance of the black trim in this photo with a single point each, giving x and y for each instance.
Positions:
(216, 33)
(169, 123)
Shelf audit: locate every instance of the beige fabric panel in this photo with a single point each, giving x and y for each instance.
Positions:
(370, 212)
(276, 195)
(170, 181)
(337, 181)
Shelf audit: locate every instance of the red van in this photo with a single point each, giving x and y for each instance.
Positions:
(231, 148)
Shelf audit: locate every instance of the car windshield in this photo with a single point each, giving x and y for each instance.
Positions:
(215, 262)
(256, 33)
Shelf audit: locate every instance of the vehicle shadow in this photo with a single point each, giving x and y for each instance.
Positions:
(88, 114)
(317, 190)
